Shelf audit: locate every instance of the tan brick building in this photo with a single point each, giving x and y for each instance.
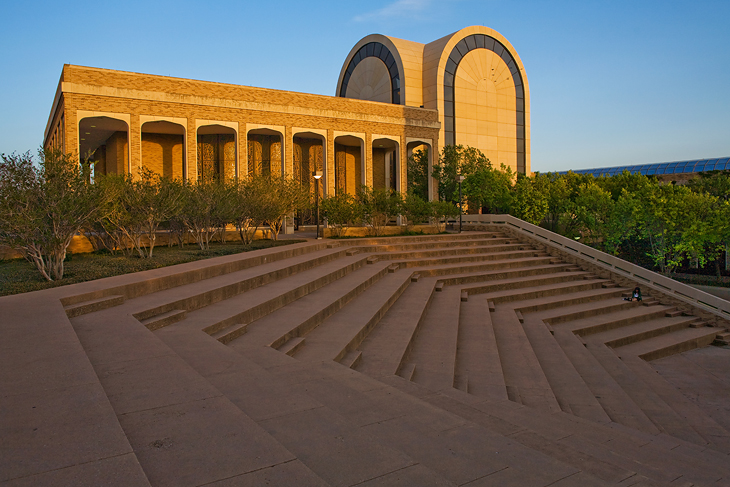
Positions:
(394, 97)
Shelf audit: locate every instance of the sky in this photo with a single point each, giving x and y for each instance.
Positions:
(611, 82)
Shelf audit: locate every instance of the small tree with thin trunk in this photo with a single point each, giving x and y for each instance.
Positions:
(42, 207)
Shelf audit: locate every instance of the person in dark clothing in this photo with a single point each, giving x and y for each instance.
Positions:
(635, 295)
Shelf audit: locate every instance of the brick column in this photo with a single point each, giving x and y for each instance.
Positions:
(330, 164)
(403, 163)
(135, 145)
(368, 159)
(191, 150)
(242, 149)
(288, 151)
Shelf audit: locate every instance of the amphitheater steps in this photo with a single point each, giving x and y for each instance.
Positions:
(578, 297)
(306, 313)
(524, 378)
(716, 436)
(643, 396)
(161, 403)
(524, 282)
(668, 344)
(501, 264)
(544, 290)
(452, 252)
(92, 305)
(477, 356)
(433, 350)
(434, 244)
(384, 348)
(617, 404)
(609, 452)
(637, 314)
(344, 331)
(206, 292)
(452, 260)
(570, 391)
(256, 303)
(501, 274)
(644, 330)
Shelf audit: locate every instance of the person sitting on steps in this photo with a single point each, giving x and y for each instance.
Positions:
(635, 295)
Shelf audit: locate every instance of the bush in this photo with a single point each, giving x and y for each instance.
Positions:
(378, 206)
(341, 211)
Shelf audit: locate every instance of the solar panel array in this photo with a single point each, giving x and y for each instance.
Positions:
(697, 165)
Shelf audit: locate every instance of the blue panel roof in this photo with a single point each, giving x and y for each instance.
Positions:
(676, 167)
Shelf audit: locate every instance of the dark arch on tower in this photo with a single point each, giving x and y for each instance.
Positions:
(378, 50)
(482, 41)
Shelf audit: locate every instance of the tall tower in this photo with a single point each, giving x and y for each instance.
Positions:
(473, 77)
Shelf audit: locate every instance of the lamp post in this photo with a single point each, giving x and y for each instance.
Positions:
(460, 179)
(317, 176)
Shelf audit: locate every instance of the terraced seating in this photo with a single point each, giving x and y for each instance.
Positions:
(468, 359)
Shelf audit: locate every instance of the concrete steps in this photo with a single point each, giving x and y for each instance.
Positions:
(256, 303)
(304, 314)
(343, 332)
(386, 346)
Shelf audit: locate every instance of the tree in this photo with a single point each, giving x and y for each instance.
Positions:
(529, 200)
(378, 206)
(284, 197)
(456, 160)
(489, 188)
(441, 211)
(415, 210)
(42, 207)
(418, 174)
(341, 211)
(249, 208)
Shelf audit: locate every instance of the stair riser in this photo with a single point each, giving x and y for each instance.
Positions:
(521, 284)
(282, 300)
(314, 321)
(154, 285)
(679, 348)
(450, 252)
(163, 322)
(545, 293)
(623, 341)
(570, 302)
(520, 272)
(436, 245)
(612, 325)
(506, 264)
(604, 310)
(464, 259)
(74, 311)
(226, 292)
(425, 238)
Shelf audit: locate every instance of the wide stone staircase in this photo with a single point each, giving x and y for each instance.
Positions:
(472, 359)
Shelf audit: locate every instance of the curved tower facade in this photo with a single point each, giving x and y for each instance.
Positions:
(473, 77)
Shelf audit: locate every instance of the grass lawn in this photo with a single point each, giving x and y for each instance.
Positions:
(20, 276)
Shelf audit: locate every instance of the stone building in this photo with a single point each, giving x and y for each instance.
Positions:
(393, 97)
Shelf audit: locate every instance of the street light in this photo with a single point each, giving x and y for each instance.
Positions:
(317, 176)
(460, 179)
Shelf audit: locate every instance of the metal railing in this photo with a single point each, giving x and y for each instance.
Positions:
(645, 277)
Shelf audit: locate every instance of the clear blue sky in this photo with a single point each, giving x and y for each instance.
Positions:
(612, 82)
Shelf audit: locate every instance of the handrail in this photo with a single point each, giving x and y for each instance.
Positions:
(681, 291)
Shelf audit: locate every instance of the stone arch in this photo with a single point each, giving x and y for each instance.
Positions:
(216, 149)
(349, 161)
(162, 147)
(386, 163)
(104, 142)
(265, 151)
(454, 52)
(376, 59)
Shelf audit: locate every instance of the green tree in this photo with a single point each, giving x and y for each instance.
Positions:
(418, 174)
(341, 211)
(415, 210)
(378, 207)
(284, 197)
(490, 188)
(529, 200)
(441, 211)
(249, 206)
(457, 160)
(42, 207)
